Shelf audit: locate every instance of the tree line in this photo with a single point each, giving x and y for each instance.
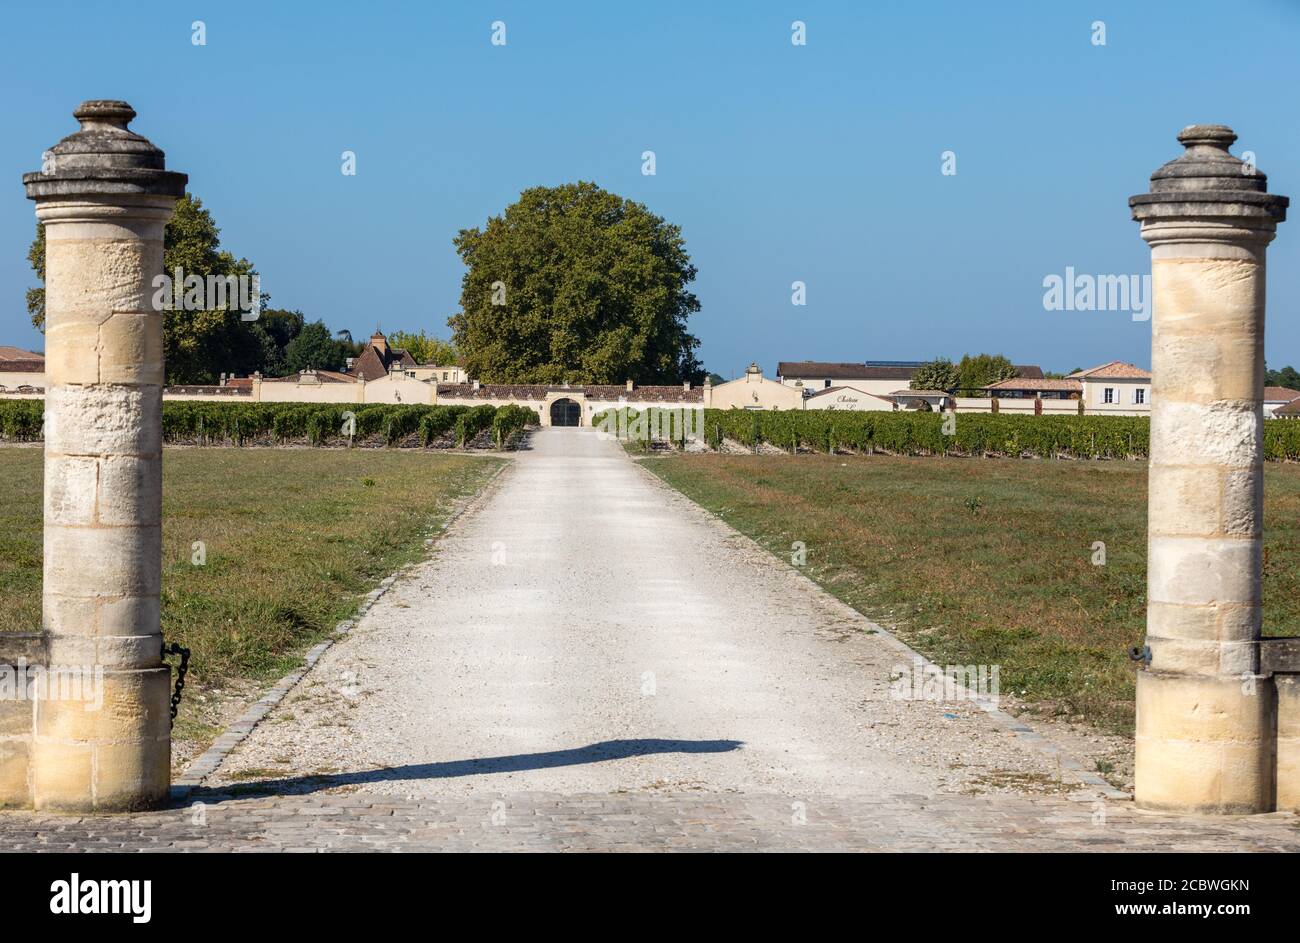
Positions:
(200, 345)
(570, 284)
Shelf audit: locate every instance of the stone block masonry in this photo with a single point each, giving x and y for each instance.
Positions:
(104, 199)
(1206, 712)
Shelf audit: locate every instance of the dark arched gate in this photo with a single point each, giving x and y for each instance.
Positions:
(565, 412)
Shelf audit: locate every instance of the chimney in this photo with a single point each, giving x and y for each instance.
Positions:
(686, 386)
(629, 386)
(476, 386)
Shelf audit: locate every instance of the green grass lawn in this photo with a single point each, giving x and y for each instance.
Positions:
(977, 561)
(293, 539)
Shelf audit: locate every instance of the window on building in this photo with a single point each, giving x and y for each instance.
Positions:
(1139, 396)
(1108, 395)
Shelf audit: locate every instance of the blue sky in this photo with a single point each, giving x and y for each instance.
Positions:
(818, 163)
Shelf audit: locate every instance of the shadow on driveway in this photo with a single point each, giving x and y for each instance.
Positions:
(481, 766)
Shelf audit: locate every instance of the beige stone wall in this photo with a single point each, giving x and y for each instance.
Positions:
(1288, 741)
(396, 388)
(297, 392)
(1020, 406)
(194, 397)
(849, 398)
(12, 379)
(445, 400)
(878, 387)
(1094, 397)
(18, 652)
(752, 391)
(439, 373)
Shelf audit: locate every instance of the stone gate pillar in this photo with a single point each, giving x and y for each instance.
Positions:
(104, 197)
(1204, 715)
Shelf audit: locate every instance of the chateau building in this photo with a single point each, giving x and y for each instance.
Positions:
(21, 369)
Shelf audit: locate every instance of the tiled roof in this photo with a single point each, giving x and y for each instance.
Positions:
(1115, 370)
(1280, 394)
(325, 376)
(17, 360)
(1018, 383)
(646, 394)
(226, 390)
(374, 364)
(538, 391)
(17, 353)
(817, 370)
(1290, 409)
(919, 393)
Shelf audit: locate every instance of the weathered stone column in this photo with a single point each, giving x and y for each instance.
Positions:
(1205, 717)
(104, 198)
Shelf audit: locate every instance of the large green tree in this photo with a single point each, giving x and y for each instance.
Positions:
(573, 284)
(980, 370)
(315, 348)
(937, 374)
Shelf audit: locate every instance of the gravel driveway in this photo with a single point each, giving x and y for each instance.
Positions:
(585, 629)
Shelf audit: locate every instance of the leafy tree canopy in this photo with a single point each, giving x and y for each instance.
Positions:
(575, 284)
(315, 348)
(424, 347)
(980, 370)
(1287, 376)
(199, 346)
(937, 374)
(36, 296)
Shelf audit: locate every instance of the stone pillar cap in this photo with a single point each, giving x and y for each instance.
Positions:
(1207, 181)
(104, 158)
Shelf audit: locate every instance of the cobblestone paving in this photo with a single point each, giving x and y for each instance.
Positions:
(646, 822)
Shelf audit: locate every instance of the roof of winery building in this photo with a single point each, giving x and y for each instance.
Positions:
(1115, 370)
(322, 376)
(539, 391)
(1280, 394)
(868, 370)
(17, 360)
(1035, 383)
